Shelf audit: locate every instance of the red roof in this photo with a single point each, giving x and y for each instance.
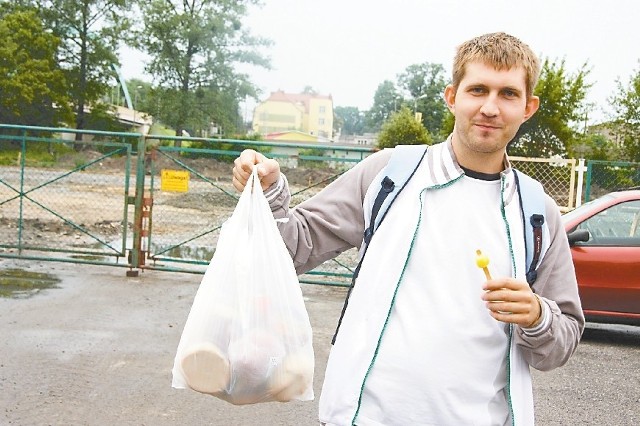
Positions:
(296, 98)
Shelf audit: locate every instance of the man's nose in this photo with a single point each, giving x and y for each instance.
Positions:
(489, 107)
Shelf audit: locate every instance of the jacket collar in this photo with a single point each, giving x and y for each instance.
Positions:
(444, 168)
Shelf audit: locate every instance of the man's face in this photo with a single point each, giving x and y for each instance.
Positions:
(489, 106)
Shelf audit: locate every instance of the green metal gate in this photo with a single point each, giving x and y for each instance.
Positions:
(158, 202)
(59, 202)
(182, 221)
(107, 198)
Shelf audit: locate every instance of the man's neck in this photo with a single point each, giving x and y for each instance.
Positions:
(487, 163)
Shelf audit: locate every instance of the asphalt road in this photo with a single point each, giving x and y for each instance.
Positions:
(99, 348)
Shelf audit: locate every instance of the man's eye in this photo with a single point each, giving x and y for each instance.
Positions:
(477, 90)
(510, 93)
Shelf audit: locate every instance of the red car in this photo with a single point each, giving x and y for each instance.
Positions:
(604, 235)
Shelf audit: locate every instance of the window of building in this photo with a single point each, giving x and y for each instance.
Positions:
(321, 121)
(321, 110)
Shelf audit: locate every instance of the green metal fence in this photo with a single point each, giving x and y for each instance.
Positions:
(607, 176)
(184, 224)
(57, 202)
(112, 198)
(98, 197)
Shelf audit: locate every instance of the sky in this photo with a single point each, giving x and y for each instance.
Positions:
(346, 48)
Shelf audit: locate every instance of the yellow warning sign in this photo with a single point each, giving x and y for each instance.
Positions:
(174, 180)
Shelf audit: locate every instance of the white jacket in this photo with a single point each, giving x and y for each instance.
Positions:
(334, 221)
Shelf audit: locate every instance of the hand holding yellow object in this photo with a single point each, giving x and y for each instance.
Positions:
(483, 261)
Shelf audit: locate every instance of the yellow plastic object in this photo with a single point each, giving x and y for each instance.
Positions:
(483, 261)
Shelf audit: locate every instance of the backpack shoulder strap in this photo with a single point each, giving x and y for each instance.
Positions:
(403, 163)
(532, 204)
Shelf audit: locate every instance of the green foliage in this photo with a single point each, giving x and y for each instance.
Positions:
(210, 109)
(448, 121)
(626, 124)
(39, 154)
(554, 128)
(595, 147)
(33, 87)
(349, 120)
(90, 32)
(403, 128)
(194, 47)
(311, 163)
(386, 101)
(425, 83)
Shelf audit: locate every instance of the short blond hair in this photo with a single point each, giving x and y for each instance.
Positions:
(500, 50)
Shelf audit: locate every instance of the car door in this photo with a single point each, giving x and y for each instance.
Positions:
(608, 265)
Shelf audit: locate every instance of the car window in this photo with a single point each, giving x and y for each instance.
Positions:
(617, 225)
(593, 204)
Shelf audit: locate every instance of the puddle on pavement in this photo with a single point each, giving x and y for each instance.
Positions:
(21, 284)
(186, 252)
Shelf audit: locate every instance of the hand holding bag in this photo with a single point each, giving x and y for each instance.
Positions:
(248, 338)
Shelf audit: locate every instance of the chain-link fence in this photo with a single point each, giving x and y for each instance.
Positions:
(63, 197)
(607, 176)
(556, 175)
(187, 215)
(95, 200)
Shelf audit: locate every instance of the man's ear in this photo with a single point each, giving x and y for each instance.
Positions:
(450, 98)
(533, 103)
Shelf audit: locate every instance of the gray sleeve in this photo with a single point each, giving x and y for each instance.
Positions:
(330, 222)
(558, 289)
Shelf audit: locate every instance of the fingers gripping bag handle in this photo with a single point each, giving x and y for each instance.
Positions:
(247, 338)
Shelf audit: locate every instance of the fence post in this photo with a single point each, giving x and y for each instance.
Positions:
(580, 169)
(587, 192)
(136, 255)
(22, 163)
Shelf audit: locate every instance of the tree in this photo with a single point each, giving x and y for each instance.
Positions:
(425, 84)
(90, 32)
(448, 122)
(349, 120)
(194, 47)
(626, 115)
(554, 128)
(386, 101)
(402, 128)
(33, 87)
(595, 146)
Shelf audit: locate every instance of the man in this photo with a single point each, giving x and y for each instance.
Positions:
(426, 338)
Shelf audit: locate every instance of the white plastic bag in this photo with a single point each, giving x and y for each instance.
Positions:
(247, 338)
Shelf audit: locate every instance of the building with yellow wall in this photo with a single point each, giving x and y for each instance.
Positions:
(303, 112)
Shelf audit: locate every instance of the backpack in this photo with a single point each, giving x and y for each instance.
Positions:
(401, 167)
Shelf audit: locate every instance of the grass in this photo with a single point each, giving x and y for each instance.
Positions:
(42, 154)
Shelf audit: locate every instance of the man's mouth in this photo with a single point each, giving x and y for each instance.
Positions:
(486, 126)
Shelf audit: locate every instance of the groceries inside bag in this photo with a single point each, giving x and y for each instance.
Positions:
(247, 338)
